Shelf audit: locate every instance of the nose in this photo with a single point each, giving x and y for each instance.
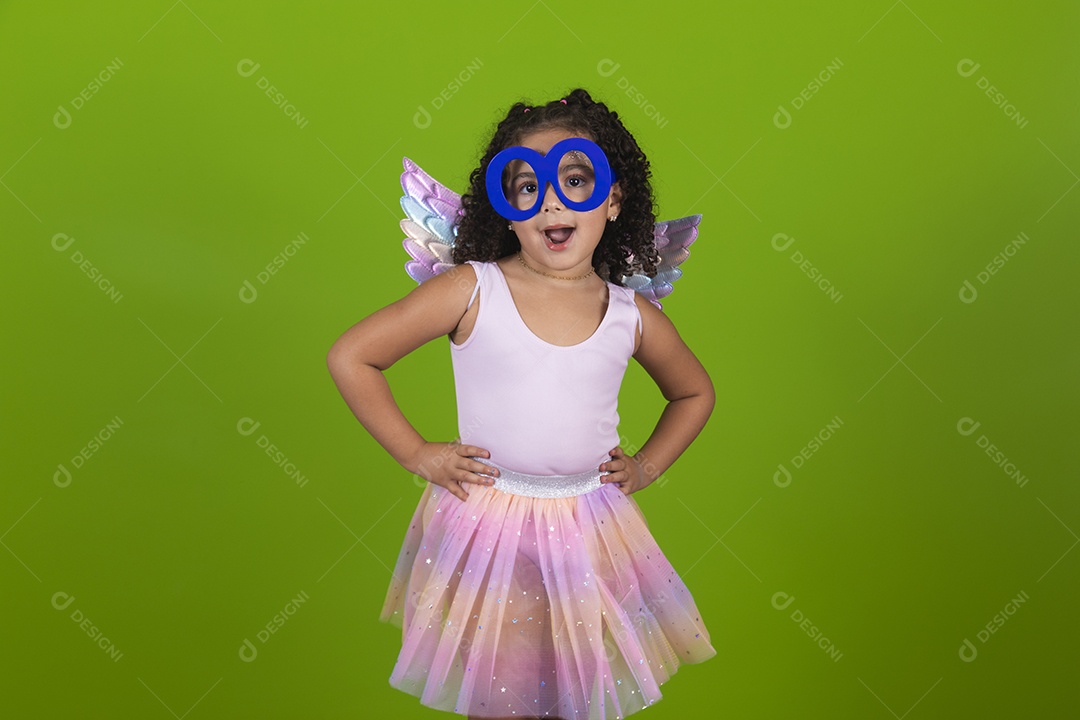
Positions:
(551, 200)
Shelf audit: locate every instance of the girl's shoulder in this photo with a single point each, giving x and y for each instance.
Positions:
(472, 268)
(626, 292)
(631, 296)
(453, 284)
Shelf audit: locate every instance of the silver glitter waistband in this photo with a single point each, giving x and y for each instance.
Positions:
(543, 486)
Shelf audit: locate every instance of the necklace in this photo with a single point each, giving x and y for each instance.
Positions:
(557, 277)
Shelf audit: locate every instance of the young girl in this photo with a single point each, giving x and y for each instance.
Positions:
(528, 584)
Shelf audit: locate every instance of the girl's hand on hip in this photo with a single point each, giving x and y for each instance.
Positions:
(625, 471)
(449, 465)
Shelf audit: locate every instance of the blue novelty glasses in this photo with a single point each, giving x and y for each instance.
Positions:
(576, 168)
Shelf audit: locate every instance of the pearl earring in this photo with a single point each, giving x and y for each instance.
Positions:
(510, 226)
(612, 218)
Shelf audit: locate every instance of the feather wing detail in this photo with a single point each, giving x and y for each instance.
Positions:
(432, 212)
(672, 238)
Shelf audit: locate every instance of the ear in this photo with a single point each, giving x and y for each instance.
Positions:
(615, 199)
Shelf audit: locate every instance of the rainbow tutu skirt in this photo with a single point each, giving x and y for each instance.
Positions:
(540, 596)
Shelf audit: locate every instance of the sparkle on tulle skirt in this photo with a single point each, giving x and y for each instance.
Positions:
(513, 604)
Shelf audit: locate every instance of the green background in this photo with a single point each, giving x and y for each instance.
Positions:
(898, 179)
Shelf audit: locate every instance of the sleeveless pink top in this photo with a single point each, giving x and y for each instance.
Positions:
(539, 408)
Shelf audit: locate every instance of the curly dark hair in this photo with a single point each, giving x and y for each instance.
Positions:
(627, 245)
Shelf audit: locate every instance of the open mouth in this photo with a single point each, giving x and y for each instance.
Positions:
(558, 236)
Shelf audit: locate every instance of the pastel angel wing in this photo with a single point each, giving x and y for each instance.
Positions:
(432, 212)
(672, 238)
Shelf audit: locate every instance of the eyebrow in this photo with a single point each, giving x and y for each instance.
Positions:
(576, 166)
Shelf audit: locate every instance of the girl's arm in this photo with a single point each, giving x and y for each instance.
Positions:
(358, 358)
(684, 384)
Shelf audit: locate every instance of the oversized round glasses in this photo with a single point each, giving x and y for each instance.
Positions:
(576, 169)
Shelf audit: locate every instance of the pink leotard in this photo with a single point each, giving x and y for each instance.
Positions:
(539, 408)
